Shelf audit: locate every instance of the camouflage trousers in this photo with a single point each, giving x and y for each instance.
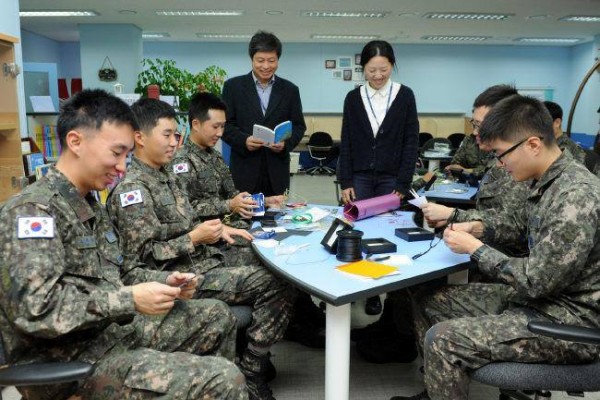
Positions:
(183, 355)
(473, 325)
(252, 285)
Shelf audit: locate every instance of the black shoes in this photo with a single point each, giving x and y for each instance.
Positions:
(388, 349)
(421, 396)
(305, 334)
(373, 306)
(258, 388)
(376, 329)
(254, 367)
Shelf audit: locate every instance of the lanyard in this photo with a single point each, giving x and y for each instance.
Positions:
(386, 108)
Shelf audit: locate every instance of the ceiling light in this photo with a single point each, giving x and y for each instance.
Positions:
(344, 37)
(538, 17)
(344, 14)
(274, 12)
(581, 18)
(467, 16)
(58, 13)
(127, 12)
(456, 38)
(547, 40)
(155, 35)
(223, 36)
(201, 13)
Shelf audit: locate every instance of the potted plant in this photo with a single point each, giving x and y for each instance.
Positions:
(174, 81)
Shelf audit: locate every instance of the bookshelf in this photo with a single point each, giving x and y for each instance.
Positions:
(41, 127)
(11, 163)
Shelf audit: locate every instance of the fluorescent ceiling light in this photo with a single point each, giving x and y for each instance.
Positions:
(547, 40)
(196, 13)
(344, 14)
(456, 38)
(155, 35)
(467, 16)
(344, 37)
(581, 18)
(58, 13)
(223, 36)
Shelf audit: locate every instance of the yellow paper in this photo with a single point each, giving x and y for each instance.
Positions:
(366, 268)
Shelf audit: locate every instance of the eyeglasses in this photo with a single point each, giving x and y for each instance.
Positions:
(476, 125)
(500, 156)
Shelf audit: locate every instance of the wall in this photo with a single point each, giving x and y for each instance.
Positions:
(10, 25)
(445, 79)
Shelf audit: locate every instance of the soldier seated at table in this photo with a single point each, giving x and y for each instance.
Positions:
(156, 222)
(63, 298)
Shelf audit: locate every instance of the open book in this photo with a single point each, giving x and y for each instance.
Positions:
(272, 136)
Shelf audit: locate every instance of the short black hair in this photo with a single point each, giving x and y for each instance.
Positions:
(555, 110)
(492, 95)
(515, 118)
(265, 42)
(377, 48)
(201, 103)
(89, 109)
(148, 111)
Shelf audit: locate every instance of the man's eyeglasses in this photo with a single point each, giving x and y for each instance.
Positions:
(476, 125)
(512, 148)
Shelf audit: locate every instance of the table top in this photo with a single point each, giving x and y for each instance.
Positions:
(313, 269)
(450, 193)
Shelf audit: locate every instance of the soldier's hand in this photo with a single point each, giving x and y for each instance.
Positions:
(475, 228)
(187, 282)
(208, 232)
(436, 212)
(242, 204)
(153, 298)
(461, 242)
(229, 233)
(253, 144)
(454, 167)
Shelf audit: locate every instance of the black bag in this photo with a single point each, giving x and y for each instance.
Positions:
(107, 73)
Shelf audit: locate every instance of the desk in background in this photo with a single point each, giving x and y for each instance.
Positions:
(450, 193)
(312, 269)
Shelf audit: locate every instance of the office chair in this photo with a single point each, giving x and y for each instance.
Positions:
(456, 139)
(522, 381)
(319, 147)
(38, 373)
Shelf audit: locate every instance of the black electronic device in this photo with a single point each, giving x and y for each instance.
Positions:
(268, 223)
(430, 183)
(377, 246)
(413, 234)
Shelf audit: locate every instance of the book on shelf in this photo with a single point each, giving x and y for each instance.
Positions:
(32, 161)
(47, 140)
(42, 170)
(273, 136)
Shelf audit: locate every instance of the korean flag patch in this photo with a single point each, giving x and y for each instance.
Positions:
(35, 227)
(132, 197)
(181, 168)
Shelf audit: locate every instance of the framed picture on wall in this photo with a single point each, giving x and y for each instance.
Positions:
(330, 64)
(357, 59)
(344, 62)
(337, 74)
(347, 74)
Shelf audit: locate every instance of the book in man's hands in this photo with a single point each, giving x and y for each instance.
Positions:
(273, 136)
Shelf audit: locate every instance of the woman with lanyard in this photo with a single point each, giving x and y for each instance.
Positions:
(380, 130)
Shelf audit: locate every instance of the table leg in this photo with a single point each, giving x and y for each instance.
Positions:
(337, 353)
(433, 164)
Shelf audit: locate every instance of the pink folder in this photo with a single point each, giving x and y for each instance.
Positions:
(366, 208)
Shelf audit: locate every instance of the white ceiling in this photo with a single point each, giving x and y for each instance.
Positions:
(532, 18)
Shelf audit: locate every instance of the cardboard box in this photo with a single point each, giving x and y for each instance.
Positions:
(414, 234)
(377, 246)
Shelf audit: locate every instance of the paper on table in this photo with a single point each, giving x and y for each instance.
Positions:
(418, 201)
(368, 269)
(317, 213)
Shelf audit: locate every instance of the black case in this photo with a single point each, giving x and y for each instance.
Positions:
(377, 246)
(414, 234)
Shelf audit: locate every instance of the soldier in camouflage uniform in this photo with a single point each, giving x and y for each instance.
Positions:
(469, 157)
(476, 324)
(62, 295)
(155, 220)
(562, 140)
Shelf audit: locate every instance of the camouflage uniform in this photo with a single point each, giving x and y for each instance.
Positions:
(498, 195)
(63, 300)
(469, 155)
(156, 228)
(565, 142)
(476, 324)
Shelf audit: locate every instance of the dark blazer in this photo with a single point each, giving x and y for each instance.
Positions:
(243, 111)
(393, 151)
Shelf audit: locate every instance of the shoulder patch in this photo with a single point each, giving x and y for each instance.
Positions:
(181, 168)
(35, 227)
(131, 197)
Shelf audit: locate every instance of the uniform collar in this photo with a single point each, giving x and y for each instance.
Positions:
(82, 206)
(160, 174)
(383, 92)
(555, 169)
(197, 150)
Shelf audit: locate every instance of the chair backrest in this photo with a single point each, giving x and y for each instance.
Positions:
(423, 138)
(321, 139)
(456, 139)
(430, 144)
